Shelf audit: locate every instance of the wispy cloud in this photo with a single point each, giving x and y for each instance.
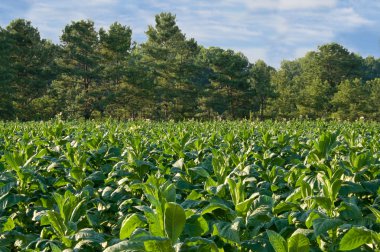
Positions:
(271, 30)
(288, 4)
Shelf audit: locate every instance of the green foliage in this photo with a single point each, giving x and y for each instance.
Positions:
(277, 241)
(130, 224)
(27, 69)
(228, 87)
(297, 242)
(352, 99)
(189, 186)
(116, 91)
(76, 85)
(175, 219)
(102, 73)
(261, 83)
(170, 58)
(356, 237)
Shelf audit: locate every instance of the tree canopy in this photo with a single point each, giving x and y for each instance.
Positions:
(104, 73)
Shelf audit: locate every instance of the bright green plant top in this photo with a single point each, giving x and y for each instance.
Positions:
(190, 186)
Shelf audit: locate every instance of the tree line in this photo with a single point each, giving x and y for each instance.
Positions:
(103, 73)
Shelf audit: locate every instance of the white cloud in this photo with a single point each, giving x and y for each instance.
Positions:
(285, 4)
(348, 17)
(101, 2)
(268, 29)
(306, 4)
(254, 53)
(51, 17)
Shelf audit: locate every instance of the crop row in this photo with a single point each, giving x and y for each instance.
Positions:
(189, 186)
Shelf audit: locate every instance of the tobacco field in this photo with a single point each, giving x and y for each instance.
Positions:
(189, 186)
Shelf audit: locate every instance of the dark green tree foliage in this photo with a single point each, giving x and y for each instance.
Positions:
(320, 74)
(6, 95)
(322, 71)
(170, 57)
(115, 49)
(287, 84)
(352, 99)
(315, 99)
(78, 84)
(335, 64)
(28, 61)
(140, 93)
(93, 74)
(261, 84)
(370, 68)
(229, 87)
(374, 99)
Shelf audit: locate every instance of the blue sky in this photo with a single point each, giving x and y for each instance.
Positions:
(271, 30)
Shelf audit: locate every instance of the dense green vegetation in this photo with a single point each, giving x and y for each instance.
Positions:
(190, 186)
(95, 74)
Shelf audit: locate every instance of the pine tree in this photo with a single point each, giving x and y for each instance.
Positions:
(78, 84)
(6, 91)
(115, 50)
(171, 59)
(229, 87)
(30, 69)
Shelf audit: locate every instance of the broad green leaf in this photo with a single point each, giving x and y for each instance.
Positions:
(277, 241)
(170, 193)
(89, 235)
(8, 200)
(349, 187)
(155, 226)
(200, 171)
(84, 245)
(324, 202)
(335, 187)
(214, 206)
(375, 212)
(228, 231)
(349, 211)
(355, 237)
(371, 186)
(298, 243)
(8, 225)
(196, 225)
(127, 246)
(359, 160)
(234, 190)
(57, 222)
(55, 248)
(263, 200)
(322, 225)
(284, 206)
(143, 243)
(194, 195)
(309, 220)
(175, 219)
(6, 184)
(198, 244)
(295, 196)
(303, 231)
(77, 212)
(139, 233)
(158, 245)
(129, 225)
(243, 207)
(210, 182)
